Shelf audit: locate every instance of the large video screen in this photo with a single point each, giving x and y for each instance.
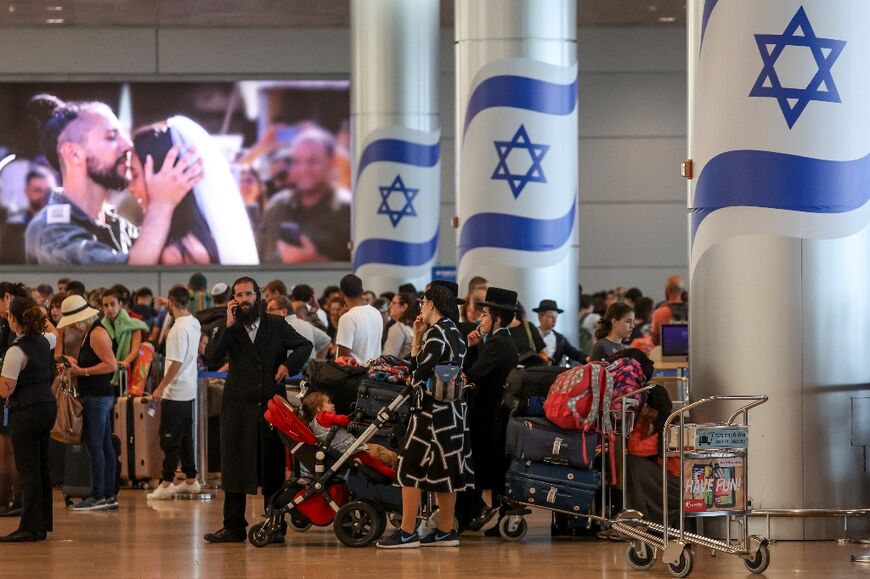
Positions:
(174, 173)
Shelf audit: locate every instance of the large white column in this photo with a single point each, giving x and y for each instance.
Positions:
(779, 135)
(396, 141)
(516, 142)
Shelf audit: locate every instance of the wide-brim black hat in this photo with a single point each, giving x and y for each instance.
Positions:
(501, 299)
(547, 306)
(452, 287)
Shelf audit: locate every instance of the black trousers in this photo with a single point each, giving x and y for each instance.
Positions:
(271, 469)
(176, 438)
(30, 428)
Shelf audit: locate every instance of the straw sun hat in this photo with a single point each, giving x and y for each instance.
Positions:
(75, 309)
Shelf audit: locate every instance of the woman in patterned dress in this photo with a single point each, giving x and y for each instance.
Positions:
(435, 455)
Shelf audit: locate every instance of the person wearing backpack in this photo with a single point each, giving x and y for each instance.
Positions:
(672, 311)
(487, 417)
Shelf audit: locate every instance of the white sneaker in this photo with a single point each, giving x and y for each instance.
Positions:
(161, 493)
(193, 488)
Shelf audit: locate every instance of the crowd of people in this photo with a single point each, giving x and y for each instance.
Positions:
(455, 447)
(168, 195)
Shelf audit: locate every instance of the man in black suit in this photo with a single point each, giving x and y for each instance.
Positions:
(557, 344)
(252, 455)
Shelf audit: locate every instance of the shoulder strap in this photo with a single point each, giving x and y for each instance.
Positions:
(529, 335)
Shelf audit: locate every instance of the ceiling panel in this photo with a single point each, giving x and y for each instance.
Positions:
(286, 13)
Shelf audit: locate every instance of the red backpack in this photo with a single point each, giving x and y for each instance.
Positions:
(579, 399)
(578, 396)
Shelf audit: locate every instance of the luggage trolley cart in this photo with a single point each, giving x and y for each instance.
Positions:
(561, 480)
(650, 538)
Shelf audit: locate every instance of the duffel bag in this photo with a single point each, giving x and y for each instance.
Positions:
(526, 389)
(338, 381)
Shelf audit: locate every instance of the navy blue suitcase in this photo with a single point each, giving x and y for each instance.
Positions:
(553, 486)
(539, 440)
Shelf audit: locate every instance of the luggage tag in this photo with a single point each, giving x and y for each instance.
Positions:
(152, 409)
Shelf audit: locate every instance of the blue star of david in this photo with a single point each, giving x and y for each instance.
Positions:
(395, 215)
(825, 51)
(534, 174)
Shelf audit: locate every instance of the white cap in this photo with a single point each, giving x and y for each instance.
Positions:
(219, 288)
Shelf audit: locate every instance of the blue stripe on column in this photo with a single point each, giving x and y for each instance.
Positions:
(780, 181)
(503, 231)
(399, 151)
(392, 252)
(521, 92)
(709, 5)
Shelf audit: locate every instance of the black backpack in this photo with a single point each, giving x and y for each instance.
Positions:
(527, 388)
(679, 312)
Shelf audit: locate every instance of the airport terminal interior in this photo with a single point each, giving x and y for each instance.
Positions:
(434, 288)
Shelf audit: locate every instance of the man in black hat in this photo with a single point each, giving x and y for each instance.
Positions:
(557, 345)
(487, 420)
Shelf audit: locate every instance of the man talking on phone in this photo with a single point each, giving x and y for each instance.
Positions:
(262, 350)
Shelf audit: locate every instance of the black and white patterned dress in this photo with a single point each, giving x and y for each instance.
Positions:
(436, 453)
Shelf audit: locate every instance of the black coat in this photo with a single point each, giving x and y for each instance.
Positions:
(486, 415)
(250, 385)
(564, 348)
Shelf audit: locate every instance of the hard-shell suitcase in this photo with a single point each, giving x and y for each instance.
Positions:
(553, 486)
(373, 395)
(139, 431)
(526, 389)
(539, 440)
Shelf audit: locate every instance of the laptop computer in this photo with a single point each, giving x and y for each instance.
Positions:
(675, 342)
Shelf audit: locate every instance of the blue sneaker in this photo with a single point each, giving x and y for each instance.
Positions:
(89, 504)
(438, 539)
(400, 540)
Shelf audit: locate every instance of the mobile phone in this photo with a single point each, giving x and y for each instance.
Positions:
(291, 234)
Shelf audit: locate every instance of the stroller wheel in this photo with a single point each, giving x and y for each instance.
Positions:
(298, 523)
(359, 523)
(259, 535)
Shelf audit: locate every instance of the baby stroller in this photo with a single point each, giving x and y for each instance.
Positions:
(357, 505)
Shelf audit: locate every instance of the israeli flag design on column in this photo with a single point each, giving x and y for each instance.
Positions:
(398, 189)
(786, 150)
(518, 179)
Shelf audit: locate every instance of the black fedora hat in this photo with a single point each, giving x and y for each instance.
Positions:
(547, 306)
(451, 286)
(501, 299)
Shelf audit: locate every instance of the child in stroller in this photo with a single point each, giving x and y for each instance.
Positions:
(325, 496)
(319, 411)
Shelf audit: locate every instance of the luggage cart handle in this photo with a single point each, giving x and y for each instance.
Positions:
(755, 400)
(745, 410)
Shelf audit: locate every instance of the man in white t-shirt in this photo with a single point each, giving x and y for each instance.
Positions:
(282, 306)
(361, 327)
(177, 393)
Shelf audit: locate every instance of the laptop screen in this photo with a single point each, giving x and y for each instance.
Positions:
(675, 341)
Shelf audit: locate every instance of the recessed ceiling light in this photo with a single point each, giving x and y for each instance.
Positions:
(11, 8)
(54, 21)
(667, 19)
(54, 8)
(653, 8)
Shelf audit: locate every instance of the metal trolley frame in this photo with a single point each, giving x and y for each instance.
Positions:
(648, 538)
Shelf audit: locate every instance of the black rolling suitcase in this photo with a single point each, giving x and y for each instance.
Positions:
(553, 486)
(539, 440)
(526, 389)
(77, 471)
(373, 395)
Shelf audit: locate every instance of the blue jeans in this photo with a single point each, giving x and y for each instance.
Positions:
(97, 414)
